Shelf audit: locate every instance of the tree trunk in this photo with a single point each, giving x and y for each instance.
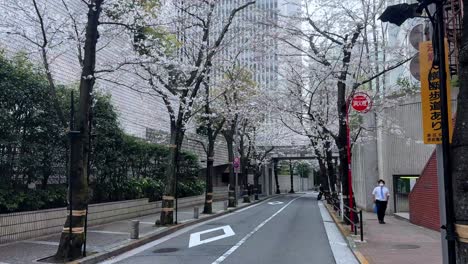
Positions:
(324, 181)
(258, 174)
(330, 167)
(71, 243)
(208, 208)
(460, 144)
(291, 173)
(229, 136)
(275, 171)
(341, 140)
(167, 207)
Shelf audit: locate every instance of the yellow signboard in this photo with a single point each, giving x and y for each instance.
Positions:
(430, 95)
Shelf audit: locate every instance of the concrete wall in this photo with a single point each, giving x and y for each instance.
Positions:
(26, 225)
(396, 148)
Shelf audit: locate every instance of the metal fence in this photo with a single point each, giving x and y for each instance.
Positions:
(356, 223)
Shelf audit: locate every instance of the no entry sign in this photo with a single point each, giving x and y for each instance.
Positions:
(236, 165)
(361, 102)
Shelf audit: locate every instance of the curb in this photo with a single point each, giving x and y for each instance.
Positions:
(346, 233)
(101, 256)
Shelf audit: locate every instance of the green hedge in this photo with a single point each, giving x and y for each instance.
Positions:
(33, 148)
(29, 200)
(56, 196)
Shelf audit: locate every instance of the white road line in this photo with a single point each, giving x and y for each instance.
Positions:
(168, 237)
(108, 232)
(242, 241)
(341, 252)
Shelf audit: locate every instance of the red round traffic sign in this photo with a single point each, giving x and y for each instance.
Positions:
(236, 162)
(361, 102)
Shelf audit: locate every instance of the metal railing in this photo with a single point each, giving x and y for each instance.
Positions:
(356, 224)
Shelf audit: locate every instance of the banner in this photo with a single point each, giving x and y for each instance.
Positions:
(430, 95)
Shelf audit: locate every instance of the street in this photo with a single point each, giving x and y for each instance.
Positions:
(285, 229)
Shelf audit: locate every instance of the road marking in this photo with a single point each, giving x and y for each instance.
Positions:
(108, 232)
(340, 249)
(195, 238)
(171, 236)
(242, 241)
(275, 203)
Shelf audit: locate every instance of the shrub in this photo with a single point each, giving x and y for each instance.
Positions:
(29, 200)
(33, 148)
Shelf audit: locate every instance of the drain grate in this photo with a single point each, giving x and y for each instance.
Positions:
(405, 246)
(165, 250)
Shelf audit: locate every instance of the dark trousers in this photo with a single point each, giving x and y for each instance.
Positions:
(381, 208)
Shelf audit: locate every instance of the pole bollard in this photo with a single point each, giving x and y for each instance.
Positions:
(225, 205)
(246, 196)
(134, 229)
(232, 198)
(361, 228)
(195, 212)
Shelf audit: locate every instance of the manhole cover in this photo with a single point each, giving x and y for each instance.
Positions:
(405, 246)
(165, 250)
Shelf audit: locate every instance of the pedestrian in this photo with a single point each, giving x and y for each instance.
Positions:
(381, 195)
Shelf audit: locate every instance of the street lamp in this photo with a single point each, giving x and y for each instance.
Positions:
(397, 14)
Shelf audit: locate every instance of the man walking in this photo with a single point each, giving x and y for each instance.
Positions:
(381, 194)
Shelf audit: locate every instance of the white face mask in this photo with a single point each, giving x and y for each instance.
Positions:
(381, 184)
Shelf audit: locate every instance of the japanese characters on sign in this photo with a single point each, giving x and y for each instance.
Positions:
(361, 102)
(430, 95)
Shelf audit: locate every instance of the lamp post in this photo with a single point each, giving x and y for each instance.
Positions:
(397, 14)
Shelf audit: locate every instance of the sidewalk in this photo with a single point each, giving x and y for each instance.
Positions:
(398, 241)
(100, 238)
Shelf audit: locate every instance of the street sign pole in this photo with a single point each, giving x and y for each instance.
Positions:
(236, 165)
(362, 103)
(444, 96)
(235, 188)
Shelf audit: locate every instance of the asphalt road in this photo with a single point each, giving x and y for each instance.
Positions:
(286, 229)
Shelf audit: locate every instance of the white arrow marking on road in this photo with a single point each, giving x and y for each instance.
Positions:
(195, 239)
(275, 203)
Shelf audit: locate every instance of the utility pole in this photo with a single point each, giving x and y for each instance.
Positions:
(449, 213)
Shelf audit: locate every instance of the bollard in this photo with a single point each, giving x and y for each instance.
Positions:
(195, 212)
(232, 199)
(246, 196)
(134, 229)
(361, 226)
(225, 205)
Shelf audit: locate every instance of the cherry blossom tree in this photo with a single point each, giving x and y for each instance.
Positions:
(177, 72)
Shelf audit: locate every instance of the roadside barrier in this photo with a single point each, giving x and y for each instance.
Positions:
(356, 224)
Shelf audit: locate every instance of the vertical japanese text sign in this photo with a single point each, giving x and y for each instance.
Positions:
(430, 95)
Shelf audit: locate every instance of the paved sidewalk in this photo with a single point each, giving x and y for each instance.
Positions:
(100, 238)
(399, 241)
